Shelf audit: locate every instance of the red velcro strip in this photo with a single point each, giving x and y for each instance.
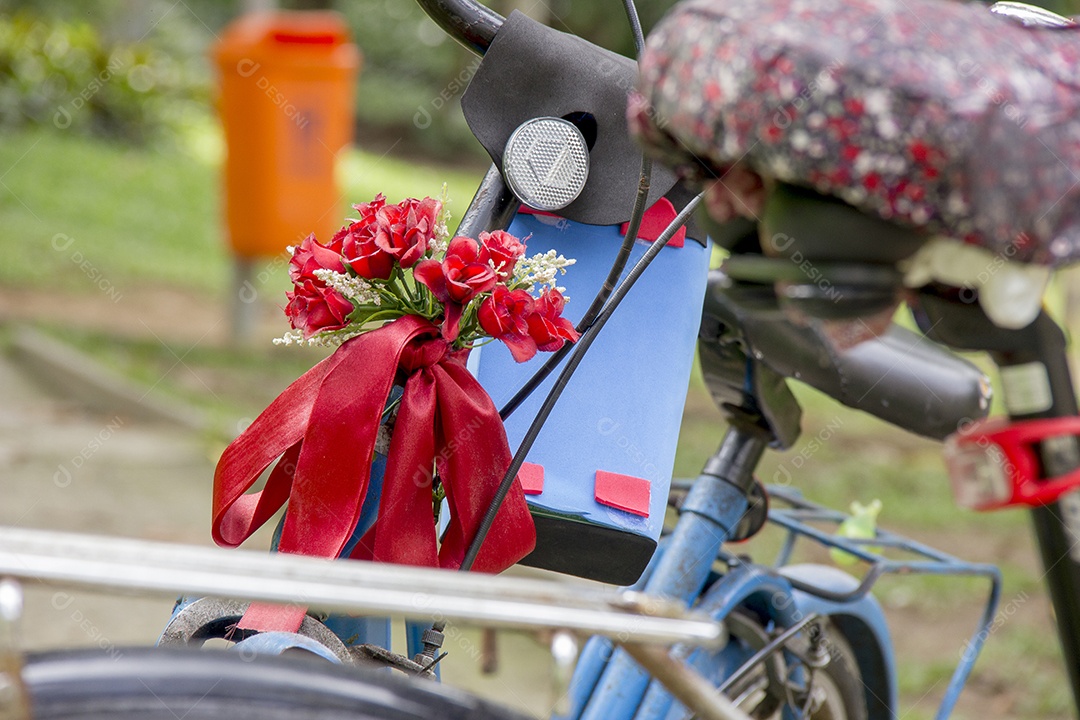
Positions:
(655, 221)
(531, 477)
(624, 492)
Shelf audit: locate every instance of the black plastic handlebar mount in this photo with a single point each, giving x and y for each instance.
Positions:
(470, 23)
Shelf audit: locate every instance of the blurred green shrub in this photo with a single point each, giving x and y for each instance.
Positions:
(66, 75)
(411, 82)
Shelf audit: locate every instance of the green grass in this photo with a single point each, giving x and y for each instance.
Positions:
(134, 217)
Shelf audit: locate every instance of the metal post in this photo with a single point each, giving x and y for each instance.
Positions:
(492, 208)
(244, 308)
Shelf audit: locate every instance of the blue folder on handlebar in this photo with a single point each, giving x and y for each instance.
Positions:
(597, 478)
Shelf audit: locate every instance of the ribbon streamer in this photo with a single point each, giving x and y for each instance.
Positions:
(321, 430)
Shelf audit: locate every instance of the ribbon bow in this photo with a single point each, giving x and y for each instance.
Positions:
(323, 428)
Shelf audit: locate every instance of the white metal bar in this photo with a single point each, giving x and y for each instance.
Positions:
(153, 568)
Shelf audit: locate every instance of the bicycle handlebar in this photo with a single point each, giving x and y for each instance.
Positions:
(470, 23)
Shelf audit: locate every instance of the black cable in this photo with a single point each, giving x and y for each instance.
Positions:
(580, 348)
(635, 27)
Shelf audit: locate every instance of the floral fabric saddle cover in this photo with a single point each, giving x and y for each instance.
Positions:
(932, 114)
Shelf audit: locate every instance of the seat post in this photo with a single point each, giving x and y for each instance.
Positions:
(1037, 384)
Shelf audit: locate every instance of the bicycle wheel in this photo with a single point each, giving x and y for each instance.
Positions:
(166, 684)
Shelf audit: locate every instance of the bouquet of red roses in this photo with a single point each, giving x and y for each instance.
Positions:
(404, 307)
(394, 261)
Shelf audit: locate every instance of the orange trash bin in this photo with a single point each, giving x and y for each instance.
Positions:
(288, 84)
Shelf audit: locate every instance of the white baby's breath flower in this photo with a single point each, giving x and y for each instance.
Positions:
(330, 338)
(334, 338)
(351, 288)
(541, 269)
(441, 240)
(439, 243)
(292, 337)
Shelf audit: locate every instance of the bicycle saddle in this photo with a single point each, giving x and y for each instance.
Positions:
(933, 115)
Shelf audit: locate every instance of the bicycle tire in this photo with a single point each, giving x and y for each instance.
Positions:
(171, 683)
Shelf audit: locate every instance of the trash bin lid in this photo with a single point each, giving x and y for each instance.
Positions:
(290, 38)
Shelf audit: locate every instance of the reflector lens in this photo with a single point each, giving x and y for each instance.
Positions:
(546, 163)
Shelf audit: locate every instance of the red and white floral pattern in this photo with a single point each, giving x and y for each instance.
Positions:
(934, 114)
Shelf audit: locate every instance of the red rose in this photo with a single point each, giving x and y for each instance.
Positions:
(310, 255)
(313, 307)
(405, 229)
(462, 275)
(504, 316)
(548, 329)
(357, 242)
(505, 250)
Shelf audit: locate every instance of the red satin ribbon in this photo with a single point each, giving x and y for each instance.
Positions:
(323, 427)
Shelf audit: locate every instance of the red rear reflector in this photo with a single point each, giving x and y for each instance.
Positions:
(994, 463)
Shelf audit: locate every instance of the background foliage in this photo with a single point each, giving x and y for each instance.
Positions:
(48, 60)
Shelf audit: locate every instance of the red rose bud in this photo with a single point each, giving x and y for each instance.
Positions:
(464, 281)
(367, 210)
(310, 256)
(504, 316)
(505, 250)
(405, 229)
(357, 242)
(462, 275)
(313, 307)
(467, 270)
(548, 329)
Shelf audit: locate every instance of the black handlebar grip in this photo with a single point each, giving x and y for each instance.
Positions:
(467, 21)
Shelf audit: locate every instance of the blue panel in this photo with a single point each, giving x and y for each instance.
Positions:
(622, 410)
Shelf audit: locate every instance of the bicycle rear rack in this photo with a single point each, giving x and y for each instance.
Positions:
(795, 519)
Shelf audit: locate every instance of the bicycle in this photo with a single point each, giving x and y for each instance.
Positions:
(801, 641)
